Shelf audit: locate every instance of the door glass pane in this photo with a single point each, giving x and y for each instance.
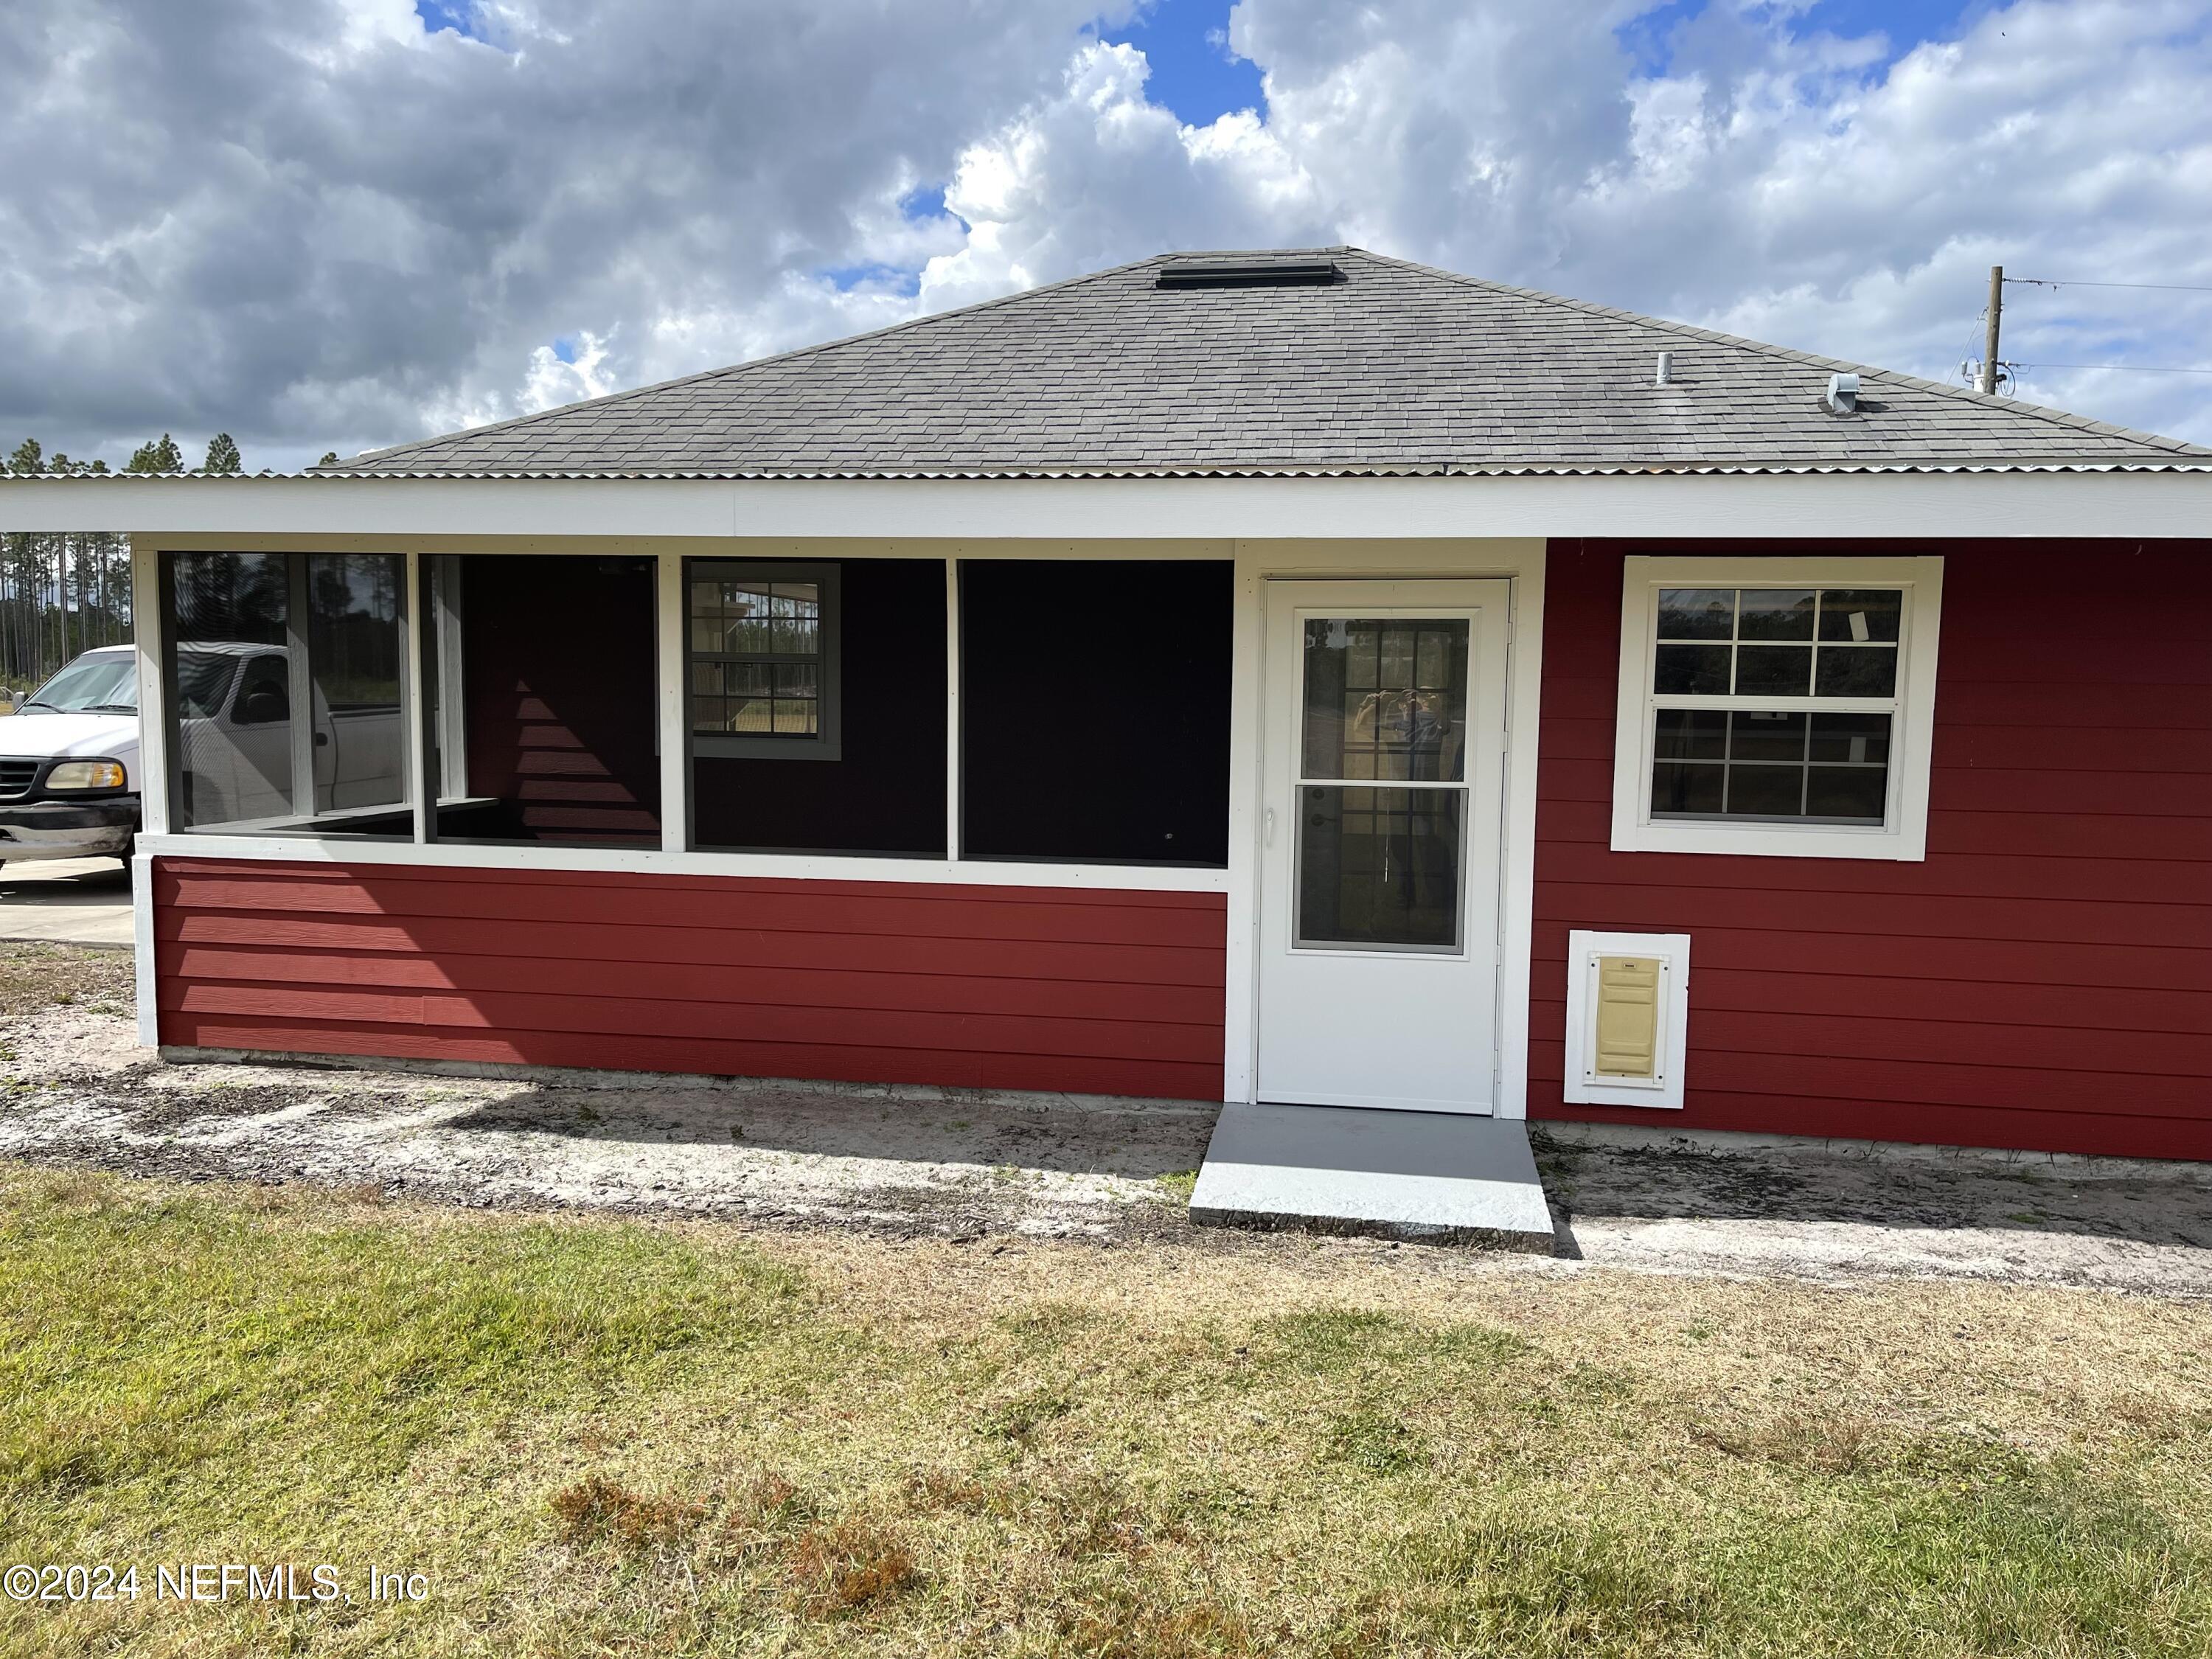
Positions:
(354, 657)
(232, 702)
(1379, 867)
(1385, 698)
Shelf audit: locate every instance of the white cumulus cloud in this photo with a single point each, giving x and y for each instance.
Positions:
(323, 224)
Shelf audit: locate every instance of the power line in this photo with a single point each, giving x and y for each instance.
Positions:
(2127, 369)
(2162, 287)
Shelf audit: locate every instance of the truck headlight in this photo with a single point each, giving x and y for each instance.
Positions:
(86, 774)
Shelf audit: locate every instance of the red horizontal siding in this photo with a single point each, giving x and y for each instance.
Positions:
(863, 981)
(1964, 875)
(2043, 980)
(1981, 787)
(677, 981)
(2078, 833)
(1785, 951)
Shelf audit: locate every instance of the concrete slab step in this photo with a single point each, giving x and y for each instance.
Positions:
(1439, 1177)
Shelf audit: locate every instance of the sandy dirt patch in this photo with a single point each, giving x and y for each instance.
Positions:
(945, 1161)
(1813, 1212)
(75, 1091)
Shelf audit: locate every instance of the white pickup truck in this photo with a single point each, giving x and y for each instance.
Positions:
(69, 762)
(69, 756)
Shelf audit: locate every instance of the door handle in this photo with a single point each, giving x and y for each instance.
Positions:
(1269, 830)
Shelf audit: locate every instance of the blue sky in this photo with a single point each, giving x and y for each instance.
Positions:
(1197, 77)
(446, 15)
(1193, 72)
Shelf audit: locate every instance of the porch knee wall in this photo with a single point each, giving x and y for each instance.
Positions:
(995, 988)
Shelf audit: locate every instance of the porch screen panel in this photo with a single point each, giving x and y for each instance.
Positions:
(287, 690)
(546, 697)
(229, 688)
(356, 660)
(881, 788)
(1094, 710)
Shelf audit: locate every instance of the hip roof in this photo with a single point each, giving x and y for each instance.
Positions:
(1318, 361)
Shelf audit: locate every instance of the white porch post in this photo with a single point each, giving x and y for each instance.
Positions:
(675, 741)
(1241, 1007)
(416, 621)
(147, 629)
(952, 709)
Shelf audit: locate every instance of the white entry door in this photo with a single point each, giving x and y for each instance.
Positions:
(1382, 757)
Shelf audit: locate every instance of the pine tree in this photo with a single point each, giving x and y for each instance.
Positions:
(222, 456)
(162, 456)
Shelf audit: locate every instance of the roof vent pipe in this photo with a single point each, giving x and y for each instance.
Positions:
(1665, 376)
(1843, 394)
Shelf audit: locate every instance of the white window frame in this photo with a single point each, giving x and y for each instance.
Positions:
(826, 741)
(1903, 834)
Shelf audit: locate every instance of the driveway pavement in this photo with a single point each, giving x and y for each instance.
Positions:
(69, 901)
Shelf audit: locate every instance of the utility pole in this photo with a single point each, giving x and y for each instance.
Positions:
(1990, 339)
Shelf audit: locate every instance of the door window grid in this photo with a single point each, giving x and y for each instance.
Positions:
(1402, 713)
(1774, 705)
(1379, 868)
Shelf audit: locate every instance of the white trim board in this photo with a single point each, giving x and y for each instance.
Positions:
(1582, 1087)
(1521, 560)
(643, 860)
(1816, 505)
(143, 946)
(152, 780)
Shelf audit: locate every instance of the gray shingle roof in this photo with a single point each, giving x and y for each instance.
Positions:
(1394, 368)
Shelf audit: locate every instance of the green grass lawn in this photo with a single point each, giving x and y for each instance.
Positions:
(594, 1437)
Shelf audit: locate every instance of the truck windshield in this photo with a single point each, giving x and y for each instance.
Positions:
(104, 685)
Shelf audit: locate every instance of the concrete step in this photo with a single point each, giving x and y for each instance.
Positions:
(1439, 1177)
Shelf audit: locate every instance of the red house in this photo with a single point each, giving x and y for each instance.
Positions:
(1302, 678)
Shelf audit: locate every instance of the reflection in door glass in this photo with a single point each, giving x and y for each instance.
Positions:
(354, 655)
(1385, 698)
(1379, 866)
(233, 715)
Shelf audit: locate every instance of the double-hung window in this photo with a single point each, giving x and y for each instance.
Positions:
(763, 659)
(1776, 706)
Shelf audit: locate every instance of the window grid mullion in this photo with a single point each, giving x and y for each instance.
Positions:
(1727, 704)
